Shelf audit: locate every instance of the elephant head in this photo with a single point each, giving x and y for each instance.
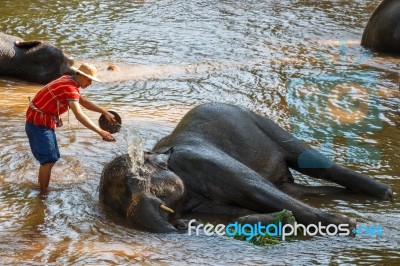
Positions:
(33, 61)
(144, 196)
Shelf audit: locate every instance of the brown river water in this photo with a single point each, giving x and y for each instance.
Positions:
(298, 62)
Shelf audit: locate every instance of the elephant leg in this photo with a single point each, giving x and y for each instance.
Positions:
(304, 159)
(198, 204)
(218, 208)
(350, 179)
(211, 172)
(301, 191)
(285, 217)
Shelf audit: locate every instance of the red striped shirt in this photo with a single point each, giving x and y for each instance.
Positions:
(64, 89)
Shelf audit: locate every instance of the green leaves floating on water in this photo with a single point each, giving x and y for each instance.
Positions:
(260, 240)
(270, 236)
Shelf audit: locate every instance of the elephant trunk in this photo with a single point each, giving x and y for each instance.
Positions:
(149, 212)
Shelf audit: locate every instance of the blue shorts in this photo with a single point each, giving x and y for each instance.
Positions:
(43, 143)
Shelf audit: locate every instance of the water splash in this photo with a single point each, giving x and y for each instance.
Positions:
(135, 145)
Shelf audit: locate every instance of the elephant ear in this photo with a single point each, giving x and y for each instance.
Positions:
(163, 160)
(159, 158)
(27, 45)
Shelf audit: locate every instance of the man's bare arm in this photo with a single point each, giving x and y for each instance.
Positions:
(81, 117)
(95, 108)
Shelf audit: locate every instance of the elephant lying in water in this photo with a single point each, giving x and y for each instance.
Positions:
(33, 61)
(382, 33)
(224, 159)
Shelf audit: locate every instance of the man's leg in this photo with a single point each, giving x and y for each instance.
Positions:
(43, 143)
(44, 176)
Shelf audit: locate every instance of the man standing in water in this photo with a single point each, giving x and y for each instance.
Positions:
(43, 116)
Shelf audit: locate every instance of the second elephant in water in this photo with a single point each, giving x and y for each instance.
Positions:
(34, 61)
(382, 33)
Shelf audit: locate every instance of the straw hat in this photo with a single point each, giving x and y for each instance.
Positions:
(88, 70)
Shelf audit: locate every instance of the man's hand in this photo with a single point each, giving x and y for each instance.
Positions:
(106, 135)
(110, 118)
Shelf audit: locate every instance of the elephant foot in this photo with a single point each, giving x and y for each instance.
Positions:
(353, 223)
(327, 219)
(387, 193)
(380, 191)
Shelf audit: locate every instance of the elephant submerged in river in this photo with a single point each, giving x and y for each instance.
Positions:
(32, 61)
(225, 159)
(382, 33)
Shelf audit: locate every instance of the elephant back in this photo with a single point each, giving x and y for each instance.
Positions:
(382, 32)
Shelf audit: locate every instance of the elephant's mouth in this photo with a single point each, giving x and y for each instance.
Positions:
(135, 201)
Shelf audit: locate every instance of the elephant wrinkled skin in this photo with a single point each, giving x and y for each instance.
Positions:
(224, 159)
(32, 61)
